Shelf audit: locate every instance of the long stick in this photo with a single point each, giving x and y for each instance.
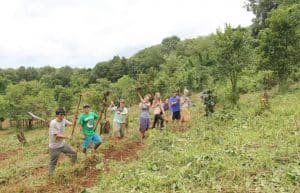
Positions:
(76, 115)
(104, 107)
(98, 121)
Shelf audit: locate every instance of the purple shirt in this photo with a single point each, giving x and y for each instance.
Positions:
(174, 103)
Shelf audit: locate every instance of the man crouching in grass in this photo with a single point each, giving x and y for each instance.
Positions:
(57, 143)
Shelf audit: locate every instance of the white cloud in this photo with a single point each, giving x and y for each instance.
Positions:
(82, 33)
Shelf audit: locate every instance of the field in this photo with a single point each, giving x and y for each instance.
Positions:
(247, 149)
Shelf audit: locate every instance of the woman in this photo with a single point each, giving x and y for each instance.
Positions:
(158, 111)
(120, 114)
(185, 104)
(144, 115)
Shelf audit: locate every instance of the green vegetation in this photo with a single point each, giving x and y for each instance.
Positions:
(246, 150)
(242, 147)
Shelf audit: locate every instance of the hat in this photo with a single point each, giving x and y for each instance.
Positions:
(86, 105)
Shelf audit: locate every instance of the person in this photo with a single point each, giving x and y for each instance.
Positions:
(175, 106)
(209, 100)
(57, 143)
(86, 123)
(185, 104)
(144, 115)
(119, 120)
(166, 107)
(158, 111)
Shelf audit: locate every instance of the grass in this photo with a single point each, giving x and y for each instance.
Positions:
(244, 150)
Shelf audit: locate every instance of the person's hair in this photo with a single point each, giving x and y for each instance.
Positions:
(186, 91)
(157, 96)
(60, 110)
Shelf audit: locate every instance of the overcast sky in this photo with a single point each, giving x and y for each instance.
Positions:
(80, 33)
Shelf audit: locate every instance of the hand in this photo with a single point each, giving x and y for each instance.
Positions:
(82, 136)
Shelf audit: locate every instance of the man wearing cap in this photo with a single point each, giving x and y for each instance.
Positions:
(119, 121)
(86, 123)
(57, 144)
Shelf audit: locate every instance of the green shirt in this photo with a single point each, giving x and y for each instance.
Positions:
(87, 121)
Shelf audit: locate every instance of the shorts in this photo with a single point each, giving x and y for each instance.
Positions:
(96, 139)
(176, 115)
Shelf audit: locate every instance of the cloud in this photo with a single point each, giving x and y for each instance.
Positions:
(82, 33)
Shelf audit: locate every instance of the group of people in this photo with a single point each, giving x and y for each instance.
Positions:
(57, 143)
(175, 108)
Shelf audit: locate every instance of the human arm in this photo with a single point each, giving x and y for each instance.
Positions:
(174, 101)
(68, 123)
(111, 106)
(181, 100)
(125, 111)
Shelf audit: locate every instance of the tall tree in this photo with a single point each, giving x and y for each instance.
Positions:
(232, 55)
(261, 9)
(279, 42)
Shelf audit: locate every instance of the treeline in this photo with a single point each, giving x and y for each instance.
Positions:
(265, 54)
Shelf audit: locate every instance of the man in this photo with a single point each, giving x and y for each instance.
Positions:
(209, 100)
(57, 144)
(119, 121)
(86, 123)
(175, 106)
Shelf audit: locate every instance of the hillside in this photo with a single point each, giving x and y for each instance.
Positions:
(240, 150)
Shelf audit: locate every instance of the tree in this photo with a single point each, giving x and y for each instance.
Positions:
(28, 96)
(232, 55)
(279, 42)
(4, 82)
(168, 44)
(144, 60)
(97, 92)
(64, 97)
(3, 106)
(261, 9)
(125, 88)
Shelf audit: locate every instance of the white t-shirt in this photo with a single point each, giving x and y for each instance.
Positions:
(55, 128)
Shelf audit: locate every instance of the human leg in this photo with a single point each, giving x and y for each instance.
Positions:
(70, 153)
(54, 155)
(96, 140)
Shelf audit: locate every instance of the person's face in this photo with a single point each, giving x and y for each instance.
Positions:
(86, 109)
(61, 116)
(167, 100)
(174, 93)
(122, 105)
(146, 99)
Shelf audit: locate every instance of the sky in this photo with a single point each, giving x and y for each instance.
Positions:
(81, 33)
